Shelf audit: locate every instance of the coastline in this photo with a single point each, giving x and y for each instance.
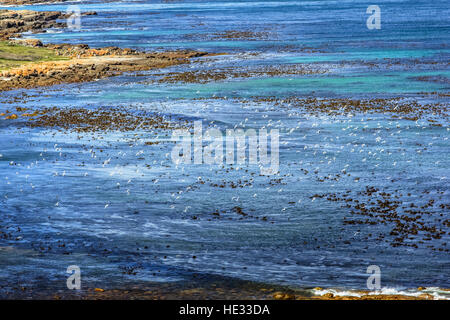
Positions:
(72, 63)
(215, 287)
(28, 2)
(80, 63)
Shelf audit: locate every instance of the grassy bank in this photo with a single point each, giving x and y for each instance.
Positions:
(15, 55)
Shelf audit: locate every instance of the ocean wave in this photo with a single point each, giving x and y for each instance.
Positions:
(435, 292)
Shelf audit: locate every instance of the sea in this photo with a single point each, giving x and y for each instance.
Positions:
(110, 202)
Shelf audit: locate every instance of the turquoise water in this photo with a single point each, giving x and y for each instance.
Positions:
(130, 205)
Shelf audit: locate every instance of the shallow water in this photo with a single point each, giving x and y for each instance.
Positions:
(129, 205)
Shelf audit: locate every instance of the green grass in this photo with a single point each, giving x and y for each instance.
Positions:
(13, 55)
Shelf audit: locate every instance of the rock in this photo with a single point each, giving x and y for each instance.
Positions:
(13, 23)
(12, 117)
(283, 296)
(89, 13)
(278, 295)
(33, 42)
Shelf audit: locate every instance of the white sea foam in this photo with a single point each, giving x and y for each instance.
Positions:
(437, 293)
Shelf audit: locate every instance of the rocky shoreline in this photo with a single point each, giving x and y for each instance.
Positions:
(27, 2)
(209, 287)
(14, 23)
(103, 63)
(81, 63)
